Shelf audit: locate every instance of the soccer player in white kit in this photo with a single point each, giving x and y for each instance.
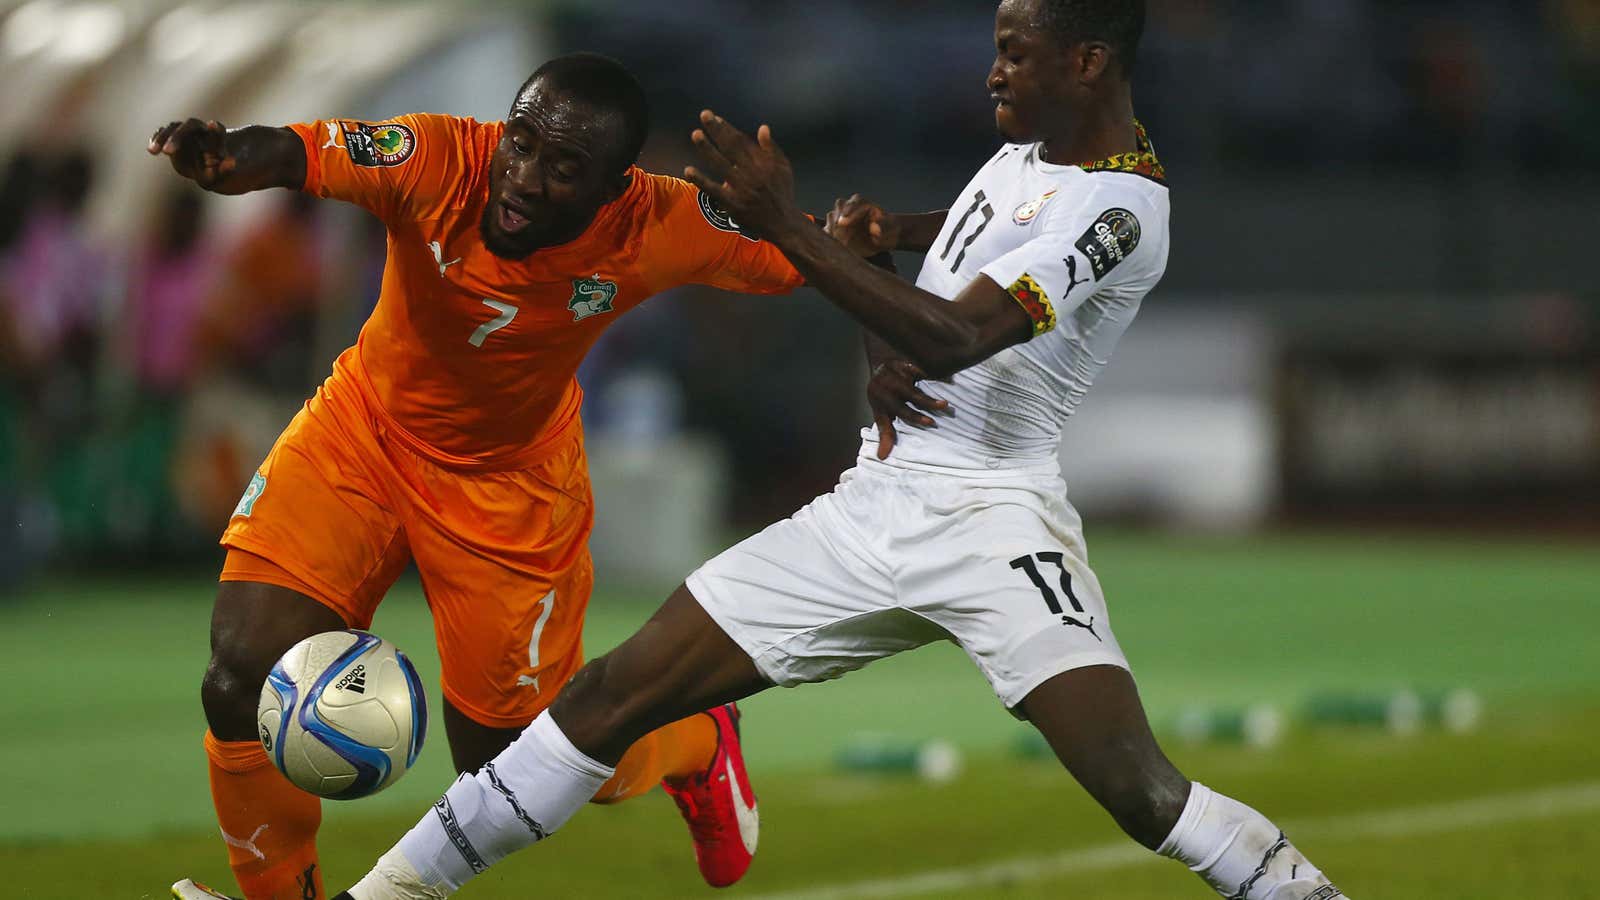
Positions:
(964, 531)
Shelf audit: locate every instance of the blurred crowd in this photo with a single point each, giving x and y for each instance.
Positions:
(1233, 83)
(128, 374)
(141, 381)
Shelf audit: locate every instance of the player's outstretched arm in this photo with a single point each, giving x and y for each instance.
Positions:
(867, 228)
(234, 161)
(752, 180)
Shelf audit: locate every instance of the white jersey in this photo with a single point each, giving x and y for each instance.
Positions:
(965, 532)
(1078, 247)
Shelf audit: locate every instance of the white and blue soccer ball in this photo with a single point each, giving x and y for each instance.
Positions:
(342, 714)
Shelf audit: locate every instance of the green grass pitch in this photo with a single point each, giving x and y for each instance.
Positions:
(105, 796)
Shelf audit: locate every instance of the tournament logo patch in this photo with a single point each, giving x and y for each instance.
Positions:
(1109, 240)
(591, 297)
(389, 144)
(719, 218)
(252, 493)
(1027, 211)
(1034, 302)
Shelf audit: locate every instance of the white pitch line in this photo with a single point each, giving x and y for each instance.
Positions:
(1499, 809)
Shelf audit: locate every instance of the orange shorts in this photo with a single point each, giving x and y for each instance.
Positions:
(342, 503)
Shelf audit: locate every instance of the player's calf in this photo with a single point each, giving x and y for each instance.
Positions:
(268, 826)
(601, 711)
(1093, 719)
(1144, 807)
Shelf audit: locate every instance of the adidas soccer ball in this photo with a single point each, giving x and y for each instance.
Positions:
(342, 714)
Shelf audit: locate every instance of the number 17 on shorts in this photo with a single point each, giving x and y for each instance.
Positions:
(1076, 616)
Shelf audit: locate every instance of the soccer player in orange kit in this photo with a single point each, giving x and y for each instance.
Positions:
(449, 435)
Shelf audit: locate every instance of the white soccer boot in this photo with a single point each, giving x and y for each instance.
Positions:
(189, 889)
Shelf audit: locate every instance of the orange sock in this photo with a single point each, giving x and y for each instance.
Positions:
(270, 825)
(678, 750)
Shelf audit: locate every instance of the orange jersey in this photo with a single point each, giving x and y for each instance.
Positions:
(474, 357)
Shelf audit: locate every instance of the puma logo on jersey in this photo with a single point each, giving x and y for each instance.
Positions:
(333, 136)
(1072, 275)
(438, 257)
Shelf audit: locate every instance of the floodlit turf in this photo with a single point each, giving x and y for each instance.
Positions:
(103, 776)
(830, 830)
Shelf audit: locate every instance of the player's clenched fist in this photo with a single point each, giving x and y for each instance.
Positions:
(863, 226)
(231, 162)
(198, 150)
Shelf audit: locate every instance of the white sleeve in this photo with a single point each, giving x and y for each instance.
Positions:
(1076, 253)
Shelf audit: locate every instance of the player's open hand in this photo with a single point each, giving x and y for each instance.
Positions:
(863, 226)
(749, 178)
(892, 393)
(198, 150)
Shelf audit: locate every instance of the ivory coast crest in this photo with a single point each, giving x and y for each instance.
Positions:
(591, 297)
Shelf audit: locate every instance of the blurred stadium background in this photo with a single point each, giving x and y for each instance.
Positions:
(1351, 449)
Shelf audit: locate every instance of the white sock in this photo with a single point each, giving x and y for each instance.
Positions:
(532, 788)
(1241, 854)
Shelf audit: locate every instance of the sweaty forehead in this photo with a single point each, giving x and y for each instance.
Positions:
(558, 115)
(1019, 13)
(1019, 18)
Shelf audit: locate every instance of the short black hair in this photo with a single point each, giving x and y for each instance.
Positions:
(1119, 23)
(604, 83)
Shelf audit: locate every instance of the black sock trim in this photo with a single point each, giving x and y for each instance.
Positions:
(539, 832)
(1261, 870)
(452, 830)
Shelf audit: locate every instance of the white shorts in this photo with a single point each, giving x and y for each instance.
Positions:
(894, 558)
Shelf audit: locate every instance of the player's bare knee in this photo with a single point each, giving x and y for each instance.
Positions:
(601, 712)
(231, 687)
(252, 625)
(229, 693)
(587, 709)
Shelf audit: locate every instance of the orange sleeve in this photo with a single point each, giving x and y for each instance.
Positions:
(400, 169)
(710, 248)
